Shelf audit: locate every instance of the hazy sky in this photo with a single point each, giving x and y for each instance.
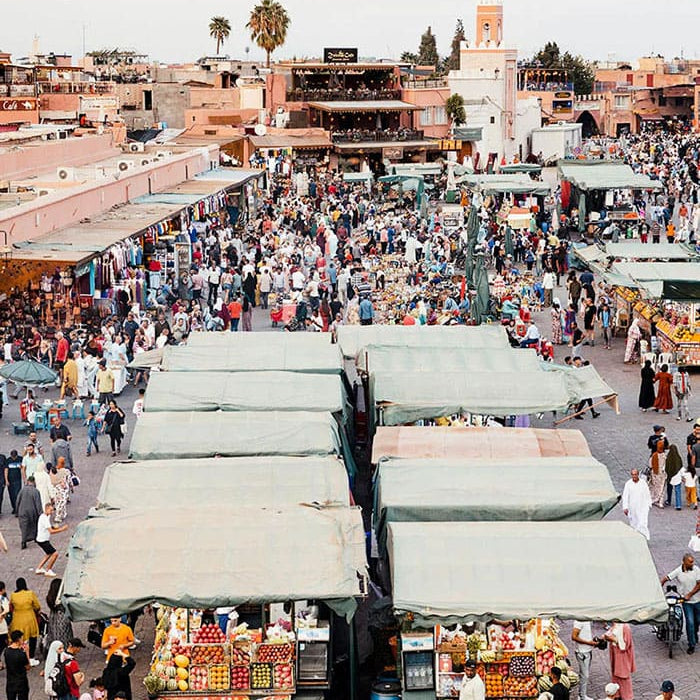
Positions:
(176, 30)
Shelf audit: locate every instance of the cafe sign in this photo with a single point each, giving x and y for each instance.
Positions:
(338, 55)
(392, 153)
(24, 104)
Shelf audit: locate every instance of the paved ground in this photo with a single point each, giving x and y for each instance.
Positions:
(618, 441)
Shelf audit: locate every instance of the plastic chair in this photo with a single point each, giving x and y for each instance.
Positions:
(41, 421)
(78, 411)
(665, 358)
(63, 412)
(649, 356)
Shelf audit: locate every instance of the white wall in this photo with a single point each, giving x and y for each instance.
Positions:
(528, 118)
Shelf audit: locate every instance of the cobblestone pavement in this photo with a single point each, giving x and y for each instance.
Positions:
(617, 441)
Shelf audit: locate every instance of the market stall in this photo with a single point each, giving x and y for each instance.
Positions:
(585, 382)
(505, 612)
(352, 339)
(227, 434)
(442, 442)
(275, 481)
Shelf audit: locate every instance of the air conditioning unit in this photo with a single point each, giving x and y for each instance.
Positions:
(124, 165)
(145, 161)
(137, 147)
(65, 173)
(163, 154)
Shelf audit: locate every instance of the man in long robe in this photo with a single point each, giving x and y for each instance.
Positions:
(28, 511)
(636, 503)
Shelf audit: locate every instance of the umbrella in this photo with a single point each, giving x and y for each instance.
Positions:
(29, 373)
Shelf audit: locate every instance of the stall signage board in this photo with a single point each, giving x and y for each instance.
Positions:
(392, 153)
(339, 55)
(87, 103)
(24, 104)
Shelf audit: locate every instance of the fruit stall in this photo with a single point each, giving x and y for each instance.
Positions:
(513, 658)
(193, 655)
(677, 330)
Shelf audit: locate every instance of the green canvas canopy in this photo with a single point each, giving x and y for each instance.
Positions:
(194, 434)
(604, 175)
(214, 556)
(406, 397)
(505, 184)
(178, 483)
(415, 490)
(659, 271)
(446, 573)
(245, 391)
(584, 382)
(636, 250)
(250, 352)
(380, 358)
(352, 339)
(520, 168)
(358, 177)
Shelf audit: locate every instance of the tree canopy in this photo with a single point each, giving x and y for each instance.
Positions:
(427, 52)
(268, 25)
(454, 107)
(219, 29)
(581, 71)
(452, 61)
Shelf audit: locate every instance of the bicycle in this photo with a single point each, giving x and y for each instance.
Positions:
(671, 631)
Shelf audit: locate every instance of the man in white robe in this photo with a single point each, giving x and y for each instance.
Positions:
(636, 503)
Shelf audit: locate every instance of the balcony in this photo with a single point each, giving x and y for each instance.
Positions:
(546, 86)
(428, 84)
(76, 88)
(16, 90)
(377, 136)
(340, 94)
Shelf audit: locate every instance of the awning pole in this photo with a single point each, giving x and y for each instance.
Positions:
(353, 660)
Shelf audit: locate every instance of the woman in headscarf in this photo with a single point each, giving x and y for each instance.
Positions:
(673, 467)
(53, 656)
(657, 477)
(25, 607)
(647, 395)
(555, 312)
(116, 675)
(59, 627)
(247, 315)
(60, 477)
(622, 660)
(634, 335)
(664, 400)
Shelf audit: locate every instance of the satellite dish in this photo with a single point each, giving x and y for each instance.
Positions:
(260, 130)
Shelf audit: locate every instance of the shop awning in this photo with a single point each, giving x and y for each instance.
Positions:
(415, 169)
(364, 106)
(431, 490)
(221, 481)
(176, 435)
(505, 184)
(311, 353)
(659, 271)
(245, 391)
(584, 382)
(673, 290)
(147, 360)
(208, 557)
(358, 177)
(447, 572)
(277, 141)
(380, 358)
(352, 339)
(636, 250)
(406, 397)
(520, 168)
(604, 175)
(469, 133)
(452, 442)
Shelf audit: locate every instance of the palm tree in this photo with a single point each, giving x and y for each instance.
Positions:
(219, 29)
(268, 26)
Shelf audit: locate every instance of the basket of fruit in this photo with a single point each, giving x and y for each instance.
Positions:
(283, 677)
(208, 634)
(240, 654)
(219, 677)
(275, 653)
(207, 654)
(240, 677)
(199, 678)
(520, 687)
(494, 685)
(261, 676)
(522, 665)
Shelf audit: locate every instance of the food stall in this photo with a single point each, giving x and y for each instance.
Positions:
(503, 617)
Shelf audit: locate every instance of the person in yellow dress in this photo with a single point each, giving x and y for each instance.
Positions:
(25, 607)
(70, 379)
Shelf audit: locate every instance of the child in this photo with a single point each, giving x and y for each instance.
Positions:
(690, 481)
(98, 689)
(91, 424)
(137, 410)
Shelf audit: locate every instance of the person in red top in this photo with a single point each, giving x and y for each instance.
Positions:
(62, 348)
(235, 309)
(74, 676)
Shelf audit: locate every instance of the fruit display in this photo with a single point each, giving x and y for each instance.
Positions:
(500, 668)
(544, 662)
(494, 685)
(205, 654)
(520, 687)
(240, 678)
(522, 665)
(219, 677)
(199, 678)
(240, 655)
(283, 677)
(208, 634)
(260, 676)
(274, 653)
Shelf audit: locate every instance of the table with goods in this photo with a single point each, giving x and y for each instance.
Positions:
(513, 658)
(195, 657)
(676, 325)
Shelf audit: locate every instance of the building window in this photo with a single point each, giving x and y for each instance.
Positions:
(426, 116)
(440, 115)
(493, 120)
(147, 100)
(622, 101)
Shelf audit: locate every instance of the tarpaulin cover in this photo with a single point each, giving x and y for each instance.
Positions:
(447, 442)
(249, 352)
(505, 183)
(659, 271)
(584, 382)
(147, 359)
(178, 483)
(207, 557)
(380, 358)
(352, 339)
(446, 572)
(405, 397)
(674, 290)
(604, 175)
(414, 490)
(244, 391)
(194, 434)
(636, 250)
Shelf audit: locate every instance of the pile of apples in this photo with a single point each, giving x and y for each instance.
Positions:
(274, 653)
(177, 647)
(283, 677)
(545, 662)
(209, 634)
(199, 678)
(240, 678)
